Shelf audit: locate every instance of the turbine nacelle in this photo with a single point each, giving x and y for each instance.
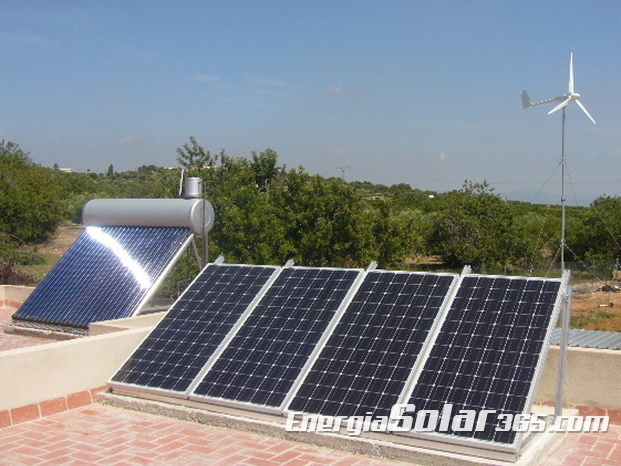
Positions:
(564, 99)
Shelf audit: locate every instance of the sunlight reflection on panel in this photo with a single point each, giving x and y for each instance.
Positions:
(119, 251)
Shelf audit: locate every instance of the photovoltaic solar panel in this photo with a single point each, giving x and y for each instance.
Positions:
(263, 360)
(105, 274)
(368, 358)
(488, 350)
(343, 342)
(174, 353)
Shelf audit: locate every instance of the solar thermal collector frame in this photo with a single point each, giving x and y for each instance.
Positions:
(110, 272)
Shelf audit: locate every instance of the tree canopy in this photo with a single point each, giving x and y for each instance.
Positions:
(473, 226)
(267, 213)
(31, 204)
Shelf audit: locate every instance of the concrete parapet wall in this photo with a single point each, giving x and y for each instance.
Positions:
(38, 373)
(13, 296)
(592, 378)
(107, 326)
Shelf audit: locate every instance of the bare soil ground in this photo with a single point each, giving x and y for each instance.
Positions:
(52, 251)
(67, 234)
(595, 309)
(592, 308)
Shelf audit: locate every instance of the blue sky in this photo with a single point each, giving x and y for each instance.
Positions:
(425, 93)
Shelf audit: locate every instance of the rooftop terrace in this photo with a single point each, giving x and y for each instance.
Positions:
(83, 424)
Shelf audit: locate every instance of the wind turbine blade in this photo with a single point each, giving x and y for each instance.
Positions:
(585, 111)
(571, 74)
(559, 106)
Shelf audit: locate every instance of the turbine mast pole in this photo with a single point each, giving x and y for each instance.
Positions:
(563, 163)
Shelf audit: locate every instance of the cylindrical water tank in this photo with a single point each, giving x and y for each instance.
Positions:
(196, 214)
(193, 188)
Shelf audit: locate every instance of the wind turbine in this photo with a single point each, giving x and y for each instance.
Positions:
(571, 96)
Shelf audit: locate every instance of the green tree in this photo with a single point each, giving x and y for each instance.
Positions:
(193, 156)
(31, 203)
(397, 235)
(474, 227)
(12, 156)
(247, 228)
(266, 214)
(541, 236)
(265, 167)
(325, 221)
(599, 236)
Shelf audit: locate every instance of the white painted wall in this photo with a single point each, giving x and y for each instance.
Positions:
(593, 378)
(53, 370)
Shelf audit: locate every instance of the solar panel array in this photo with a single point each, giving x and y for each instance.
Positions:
(369, 356)
(172, 356)
(105, 274)
(266, 356)
(343, 342)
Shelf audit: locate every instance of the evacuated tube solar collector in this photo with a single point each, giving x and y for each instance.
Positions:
(115, 266)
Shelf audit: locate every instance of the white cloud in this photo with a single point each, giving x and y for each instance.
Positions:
(335, 89)
(266, 81)
(338, 151)
(26, 39)
(205, 78)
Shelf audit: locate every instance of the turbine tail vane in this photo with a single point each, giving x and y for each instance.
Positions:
(526, 102)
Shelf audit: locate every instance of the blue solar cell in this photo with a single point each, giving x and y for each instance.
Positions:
(105, 274)
(369, 357)
(262, 362)
(488, 350)
(182, 343)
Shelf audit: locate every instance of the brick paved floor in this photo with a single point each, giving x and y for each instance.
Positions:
(108, 435)
(10, 341)
(578, 449)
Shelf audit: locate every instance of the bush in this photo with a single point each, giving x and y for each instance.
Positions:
(10, 276)
(31, 205)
